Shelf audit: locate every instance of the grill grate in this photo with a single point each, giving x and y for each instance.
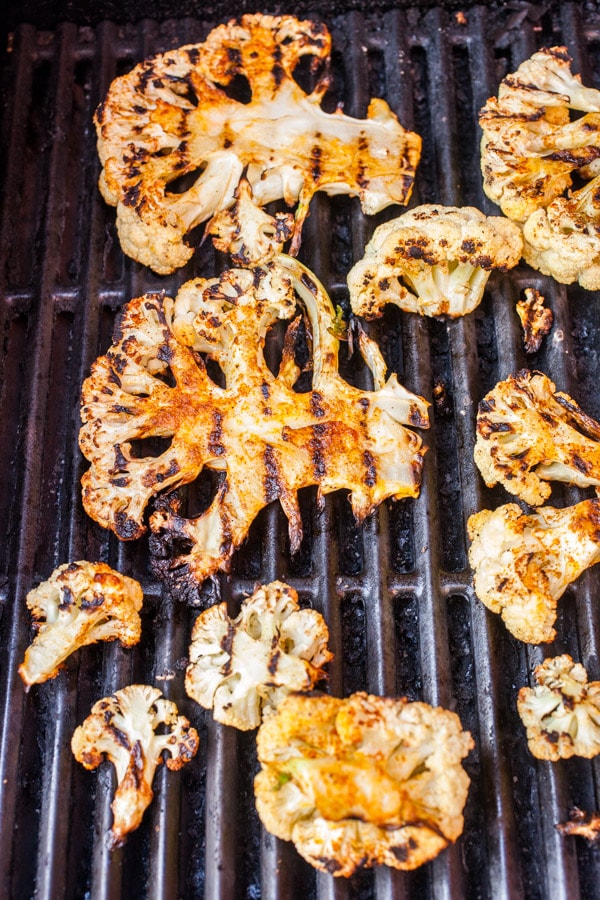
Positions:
(396, 594)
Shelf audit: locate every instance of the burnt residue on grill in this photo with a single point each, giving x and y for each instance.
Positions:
(396, 592)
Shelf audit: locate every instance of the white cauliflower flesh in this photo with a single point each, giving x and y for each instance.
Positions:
(79, 604)
(266, 439)
(562, 712)
(535, 318)
(123, 728)
(528, 434)
(564, 240)
(433, 260)
(530, 145)
(362, 781)
(175, 114)
(242, 668)
(524, 563)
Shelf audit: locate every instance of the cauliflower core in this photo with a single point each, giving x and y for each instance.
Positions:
(530, 146)
(433, 260)
(123, 729)
(79, 604)
(264, 438)
(524, 563)
(176, 114)
(562, 712)
(362, 781)
(529, 434)
(245, 666)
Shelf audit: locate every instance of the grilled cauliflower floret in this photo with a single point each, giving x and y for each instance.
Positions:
(535, 318)
(530, 146)
(362, 781)
(79, 604)
(529, 434)
(582, 824)
(173, 115)
(123, 729)
(433, 260)
(245, 666)
(562, 712)
(564, 240)
(266, 439)
(524, 563)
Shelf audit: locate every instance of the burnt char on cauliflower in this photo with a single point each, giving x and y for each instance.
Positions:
(176, 114)
(243, 667)
(362, 781)
(528, 434)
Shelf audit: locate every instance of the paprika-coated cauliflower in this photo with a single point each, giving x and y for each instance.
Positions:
(243, 667)
(524, 563)
(564, 240)
(123, 729)
(433, 260)
(562, 711)
(362, 781)
(530, 146)
(528, 434)
(176, 114)
(265, 439)
(582, 824)
(79, 604)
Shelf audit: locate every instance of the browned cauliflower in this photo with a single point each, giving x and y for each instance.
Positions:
(535, 318)
(528, 434)
(362, 781)
(530, 146)
(81, 603)
(562, 712)
(243, 667)
(266, 439)
(582, 824)
(176, 114)
(433, 260)
(123, 729)
(524, 563)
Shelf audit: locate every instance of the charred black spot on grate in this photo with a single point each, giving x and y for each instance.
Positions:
(354, 663)
(409, 679)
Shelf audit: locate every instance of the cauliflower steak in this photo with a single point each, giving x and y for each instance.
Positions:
(362, 781)
(265, 439)
(176, 114)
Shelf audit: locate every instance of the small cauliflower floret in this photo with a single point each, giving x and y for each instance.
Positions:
(562, 711)
(362, 781)
(535, 318)
(524, 563)
(564, 240)
(243, 667)
(582, 824)
(433, 260)
(79, 604)
(123, 729)
(528, 434)
(530, 146)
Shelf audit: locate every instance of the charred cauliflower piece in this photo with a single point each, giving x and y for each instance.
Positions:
(530, 146)
(123, 729)
(562, 712)
(79, 604)
(529, 434)
(175, 115)
(362, 781)
(535, 318)
(524, 563)
(265, 439)
(433, 260)
(582, 824)
(245, 666)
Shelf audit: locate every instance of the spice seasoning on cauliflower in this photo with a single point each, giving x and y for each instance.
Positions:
(362, 781)
(535, 318)
(123, 729)
(524, 563)
(175, 114)
(243, 667)
(79, 604)
(562, 711)
(530, 146)
(582, 824)
(265, 439)
(433, 260)
(528, 433)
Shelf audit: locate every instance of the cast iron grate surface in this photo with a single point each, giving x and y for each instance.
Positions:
(396, 593)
